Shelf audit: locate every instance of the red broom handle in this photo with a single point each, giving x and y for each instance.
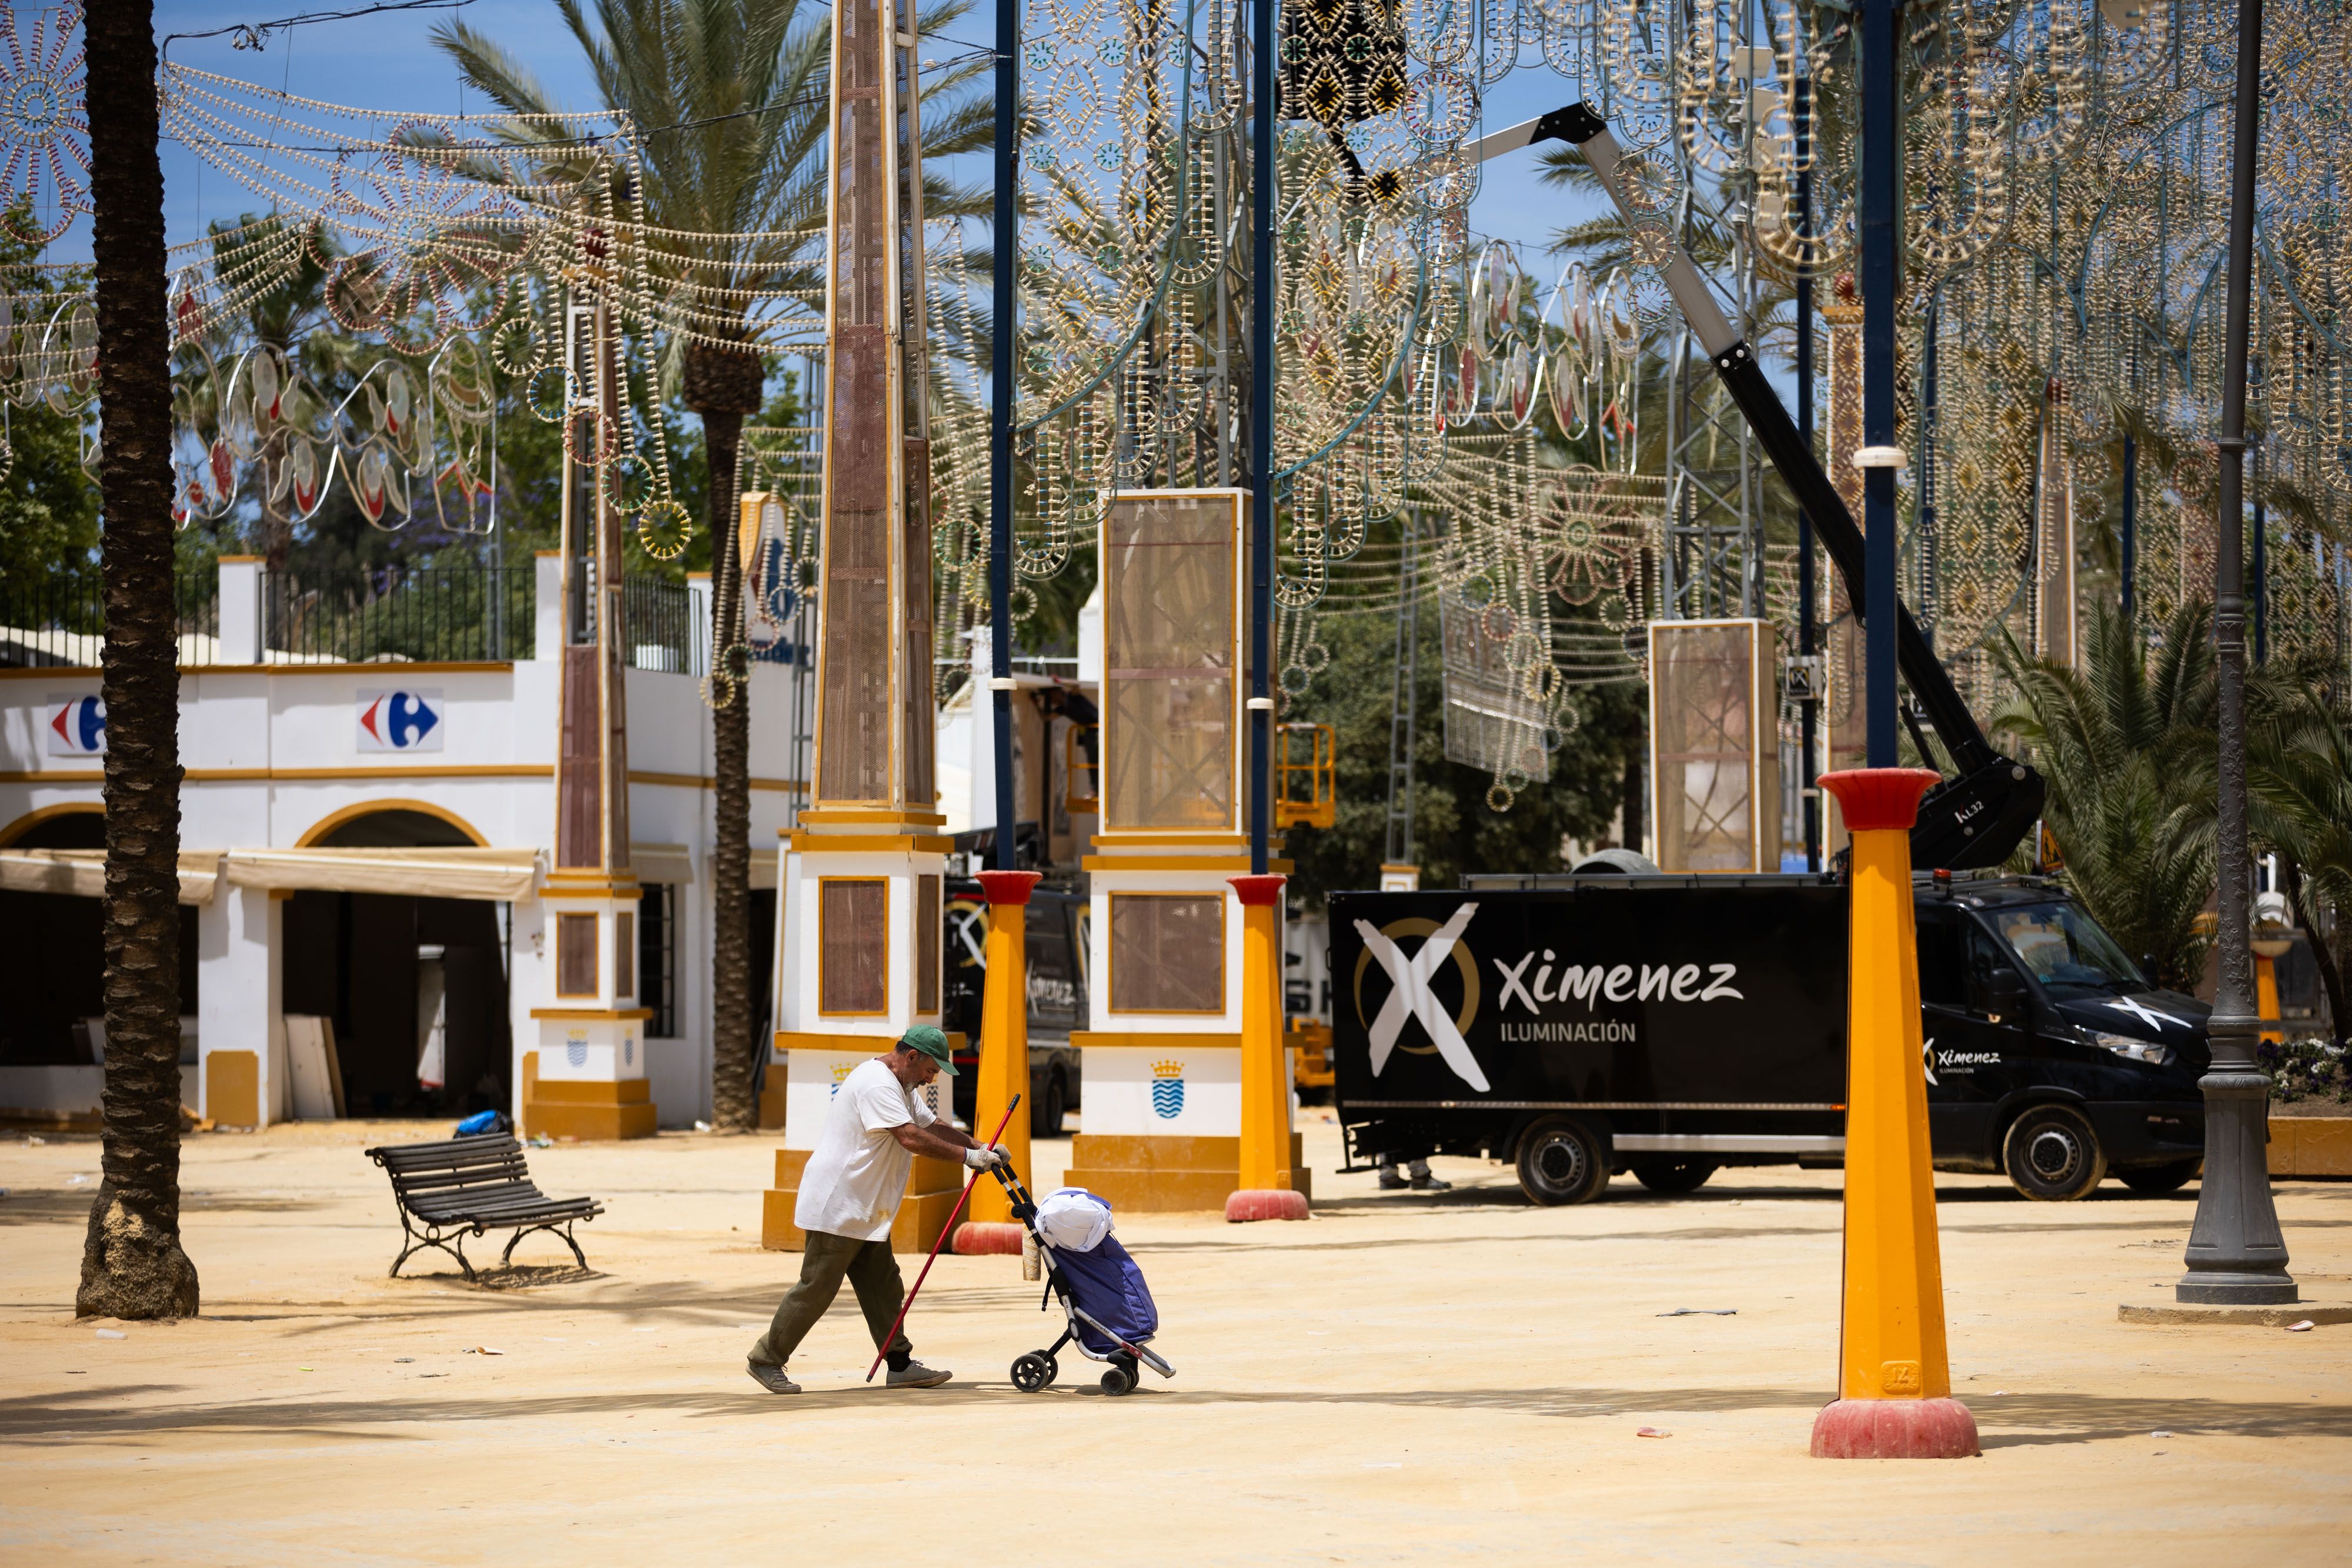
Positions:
(962, 1199)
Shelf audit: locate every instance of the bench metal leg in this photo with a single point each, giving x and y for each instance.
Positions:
(419, 1243)
(565, 1236)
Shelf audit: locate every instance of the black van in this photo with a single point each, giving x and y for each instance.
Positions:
(1054, 942)
(1670, 1025)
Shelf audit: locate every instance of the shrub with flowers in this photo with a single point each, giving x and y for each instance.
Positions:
(2309, 1069)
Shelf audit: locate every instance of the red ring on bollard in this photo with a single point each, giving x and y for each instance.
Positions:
(1007, 886)
(1255, 891)
(1874, 798)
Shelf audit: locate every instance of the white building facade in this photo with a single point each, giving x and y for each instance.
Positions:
(365, 848)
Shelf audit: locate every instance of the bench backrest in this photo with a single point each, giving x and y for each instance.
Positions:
(452, 1165)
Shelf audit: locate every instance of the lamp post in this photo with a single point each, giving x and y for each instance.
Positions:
(2236, 1255)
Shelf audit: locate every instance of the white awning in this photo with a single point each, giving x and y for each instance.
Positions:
(662, 862)
(81, 873)
(462, 873)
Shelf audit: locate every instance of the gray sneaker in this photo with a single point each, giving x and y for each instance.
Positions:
(915, 1374)
(772, 1378)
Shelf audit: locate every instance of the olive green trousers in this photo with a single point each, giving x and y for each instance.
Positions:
(826, 1260)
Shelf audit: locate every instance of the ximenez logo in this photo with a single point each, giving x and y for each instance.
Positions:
(1617, 983)
(1411, 999)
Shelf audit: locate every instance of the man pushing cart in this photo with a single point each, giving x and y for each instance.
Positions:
(849, 1194)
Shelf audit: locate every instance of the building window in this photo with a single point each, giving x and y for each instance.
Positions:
(657, 959)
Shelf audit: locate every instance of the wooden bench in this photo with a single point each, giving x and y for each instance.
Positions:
(447, 1190)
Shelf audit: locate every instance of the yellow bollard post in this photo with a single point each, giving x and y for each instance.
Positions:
(2266, 997)
(1003, 1069)
(1265, 1191)
(1894, 1380)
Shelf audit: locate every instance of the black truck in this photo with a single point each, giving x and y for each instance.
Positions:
(1580, 1025)
(1055, 942)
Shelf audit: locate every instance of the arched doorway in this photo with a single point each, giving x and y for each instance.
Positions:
(53, 956)
(414, 986)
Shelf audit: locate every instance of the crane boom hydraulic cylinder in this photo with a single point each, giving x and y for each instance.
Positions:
(1972, 820)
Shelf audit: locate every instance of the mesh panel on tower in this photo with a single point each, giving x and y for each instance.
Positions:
(1168, 681)
(1714, 745)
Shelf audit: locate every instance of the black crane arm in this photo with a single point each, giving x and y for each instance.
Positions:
(1972, 820)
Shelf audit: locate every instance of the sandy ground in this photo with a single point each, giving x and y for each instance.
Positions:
(1405, 1378)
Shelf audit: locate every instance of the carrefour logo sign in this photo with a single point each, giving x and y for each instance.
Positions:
(77, 726)
(400, 720)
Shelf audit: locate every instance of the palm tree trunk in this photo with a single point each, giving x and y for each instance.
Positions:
(131, 1264)
(732, 1110)
(2323, 949)
(723, 386)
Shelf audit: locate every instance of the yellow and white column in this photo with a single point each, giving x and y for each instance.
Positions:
(860, 915)
(1163, 1057)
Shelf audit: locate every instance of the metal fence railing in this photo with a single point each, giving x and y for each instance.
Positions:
(62, 622)
(660, 626)
(441, 614)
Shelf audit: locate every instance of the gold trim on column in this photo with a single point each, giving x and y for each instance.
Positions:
(871, 843)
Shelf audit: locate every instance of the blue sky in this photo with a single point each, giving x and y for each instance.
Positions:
(387, 62)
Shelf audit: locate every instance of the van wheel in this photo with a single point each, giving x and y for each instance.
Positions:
(2154, 1179)
(1559, 1162)
(1045, 1120)
(1674, 1175)
(2051, 1155)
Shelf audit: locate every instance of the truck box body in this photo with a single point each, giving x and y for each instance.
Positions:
(1703, 1019)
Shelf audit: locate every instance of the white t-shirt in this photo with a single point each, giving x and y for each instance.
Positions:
(857, 1174)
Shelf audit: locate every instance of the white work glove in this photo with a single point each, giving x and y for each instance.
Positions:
(980, 1159)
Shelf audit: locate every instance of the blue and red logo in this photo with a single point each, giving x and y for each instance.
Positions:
(400, 721)
(77, 726)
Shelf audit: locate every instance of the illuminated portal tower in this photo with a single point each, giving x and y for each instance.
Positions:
(860, 906)
(1163, 1054)
(588, 1077)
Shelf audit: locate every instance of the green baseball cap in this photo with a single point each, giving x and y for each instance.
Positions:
(931, 1043)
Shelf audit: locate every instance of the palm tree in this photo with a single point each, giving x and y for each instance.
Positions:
(2125, 745)
(132, 1265)
(731, 99)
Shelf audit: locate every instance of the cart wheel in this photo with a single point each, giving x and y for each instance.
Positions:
(1052, 1367)
(1118, 1380)
(1032, 1372)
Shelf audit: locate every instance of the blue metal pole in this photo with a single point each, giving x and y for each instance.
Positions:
(1881, 241)
(1004, 313)
(1807, 638)
(1261, 434)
